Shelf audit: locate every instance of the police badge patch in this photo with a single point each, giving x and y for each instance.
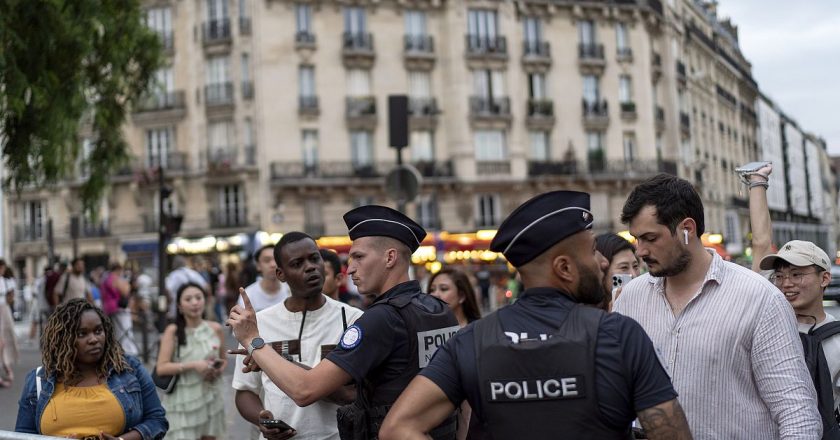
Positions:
(351, 337)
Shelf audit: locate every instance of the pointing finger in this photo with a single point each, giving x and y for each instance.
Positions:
(245, 299)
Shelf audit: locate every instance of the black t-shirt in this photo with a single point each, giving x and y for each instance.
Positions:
(375, 347)
(628, 375)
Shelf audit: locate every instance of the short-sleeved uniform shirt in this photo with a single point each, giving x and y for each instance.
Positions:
(628, 375)
(376, 347)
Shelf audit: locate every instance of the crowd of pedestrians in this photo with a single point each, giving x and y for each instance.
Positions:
(599, 337)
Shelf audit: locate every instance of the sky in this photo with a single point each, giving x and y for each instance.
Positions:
(794, 48)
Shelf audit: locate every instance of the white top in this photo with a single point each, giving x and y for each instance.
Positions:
(321, 327)
(831, 348)
(178, 278)
(260, 299)
(733, 355)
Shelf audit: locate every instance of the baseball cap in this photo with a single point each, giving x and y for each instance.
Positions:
(798, 253)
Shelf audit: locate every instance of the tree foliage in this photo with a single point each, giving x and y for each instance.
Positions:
(66, 65)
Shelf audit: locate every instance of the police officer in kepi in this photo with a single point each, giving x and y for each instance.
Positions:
(385, 348)
(551, 365)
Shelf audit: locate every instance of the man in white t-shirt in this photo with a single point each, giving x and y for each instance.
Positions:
(180, 275)
(267, 290)
(802, 271)
(305, 327)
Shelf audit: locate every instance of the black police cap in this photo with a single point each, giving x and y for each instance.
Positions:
(381, 221)
(540, 223)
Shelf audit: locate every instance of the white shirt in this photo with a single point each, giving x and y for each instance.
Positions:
(321, 327)
(178, 278)
(733, 355)
(831, 348)
(260, 299)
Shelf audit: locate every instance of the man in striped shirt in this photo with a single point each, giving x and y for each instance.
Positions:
(725, 335)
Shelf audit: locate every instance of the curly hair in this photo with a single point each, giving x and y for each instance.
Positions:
(58, 343)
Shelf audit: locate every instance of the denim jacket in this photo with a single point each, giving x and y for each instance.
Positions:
(133, 388)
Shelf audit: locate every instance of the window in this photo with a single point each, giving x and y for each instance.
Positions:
(33, 220)
(313, 217)
(593, 141)
(532, 31)
(427, 212)
(591, 92)
(82, 164)
(489, 83)
(422, 146)
(164, 83)
(160, 20)
(361, 149)
(482, 25)
(537, 86)
(159, 143)
(363, 201)
(625, 90)
(419, 84)
(231, 206)
(218, 70)
(246, 68)
(250, 144)
(217, 10)
(358, 83)
(539, 146)
(621, 37)
(306, 81)
(415, 23)
(629, 147)
(309, 141)
(354, 20)
(244, 9)
(219, 137)
(487, 210)
(490, 145)
(303, 18)
(586, 32)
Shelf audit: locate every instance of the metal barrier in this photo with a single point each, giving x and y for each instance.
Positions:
(11, 435)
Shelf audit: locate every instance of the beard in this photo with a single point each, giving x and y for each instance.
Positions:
(676, 267)
(591, 288)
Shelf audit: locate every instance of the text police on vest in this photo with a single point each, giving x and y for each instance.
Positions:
(429, 341)
(536, 389)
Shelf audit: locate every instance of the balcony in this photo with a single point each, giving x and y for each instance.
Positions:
(595, 114)
(419, 52)
(685, 124)
(600, 168)
(293, 172)
(308, 106)
(247, 90)
(161, 106)
(486, 48)
(357, 50)
(492, 167)
(228, 218)
(540, 115)
(101, 229)
(628, 110)
(30, 232)
(173, 161)
(536, 55)
(216, 32)
(244, 25)
(304, 40)
(484, 109)
(681, 78)
(218, 95)
(422, 113)
(659, 118)
(549, 168)
(167, 40)
(591, 58)
(656, 66)
(360, 112)
(624, 55)
(432, 169)
(222, 160)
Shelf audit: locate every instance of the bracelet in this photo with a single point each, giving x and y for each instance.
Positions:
(752, 185)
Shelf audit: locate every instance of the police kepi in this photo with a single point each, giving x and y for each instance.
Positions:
(550, 365)
(400, 331)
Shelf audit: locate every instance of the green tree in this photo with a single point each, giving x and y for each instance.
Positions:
(65, 64)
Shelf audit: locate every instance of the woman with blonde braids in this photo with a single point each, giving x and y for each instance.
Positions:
(87, 388)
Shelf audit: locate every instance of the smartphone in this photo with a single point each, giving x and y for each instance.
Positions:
(218, 363)
(620, 280)
(752, 167)
(275, 423)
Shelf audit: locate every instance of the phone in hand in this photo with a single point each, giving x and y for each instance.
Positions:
(218, 363)
(620, 280)
(752, 167)
(275, 423)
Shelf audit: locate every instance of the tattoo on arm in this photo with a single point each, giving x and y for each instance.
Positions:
(665, 421)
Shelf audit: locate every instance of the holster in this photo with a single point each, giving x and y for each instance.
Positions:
(358, 423)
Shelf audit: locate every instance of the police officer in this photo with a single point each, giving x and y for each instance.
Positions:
(550, 365)
(385, 348)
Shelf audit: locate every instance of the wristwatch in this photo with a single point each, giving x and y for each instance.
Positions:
(256, 344)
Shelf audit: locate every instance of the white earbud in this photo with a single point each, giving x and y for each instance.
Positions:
(685, 234)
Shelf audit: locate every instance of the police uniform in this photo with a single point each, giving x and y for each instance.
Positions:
(547, 367)
(396, 337)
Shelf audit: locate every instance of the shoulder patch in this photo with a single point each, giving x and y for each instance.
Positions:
(351, 337)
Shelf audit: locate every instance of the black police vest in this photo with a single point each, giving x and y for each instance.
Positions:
(541, 389)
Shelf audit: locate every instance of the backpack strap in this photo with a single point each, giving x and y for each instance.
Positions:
(38, 382)
(826, 331)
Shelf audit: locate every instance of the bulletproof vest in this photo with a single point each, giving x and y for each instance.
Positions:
(426, 332)
(821, 376)
(541, 389)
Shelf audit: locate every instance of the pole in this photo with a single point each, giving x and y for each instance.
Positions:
(401, 201)
(161, 252)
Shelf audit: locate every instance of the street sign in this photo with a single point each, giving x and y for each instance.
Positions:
(402, 183)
